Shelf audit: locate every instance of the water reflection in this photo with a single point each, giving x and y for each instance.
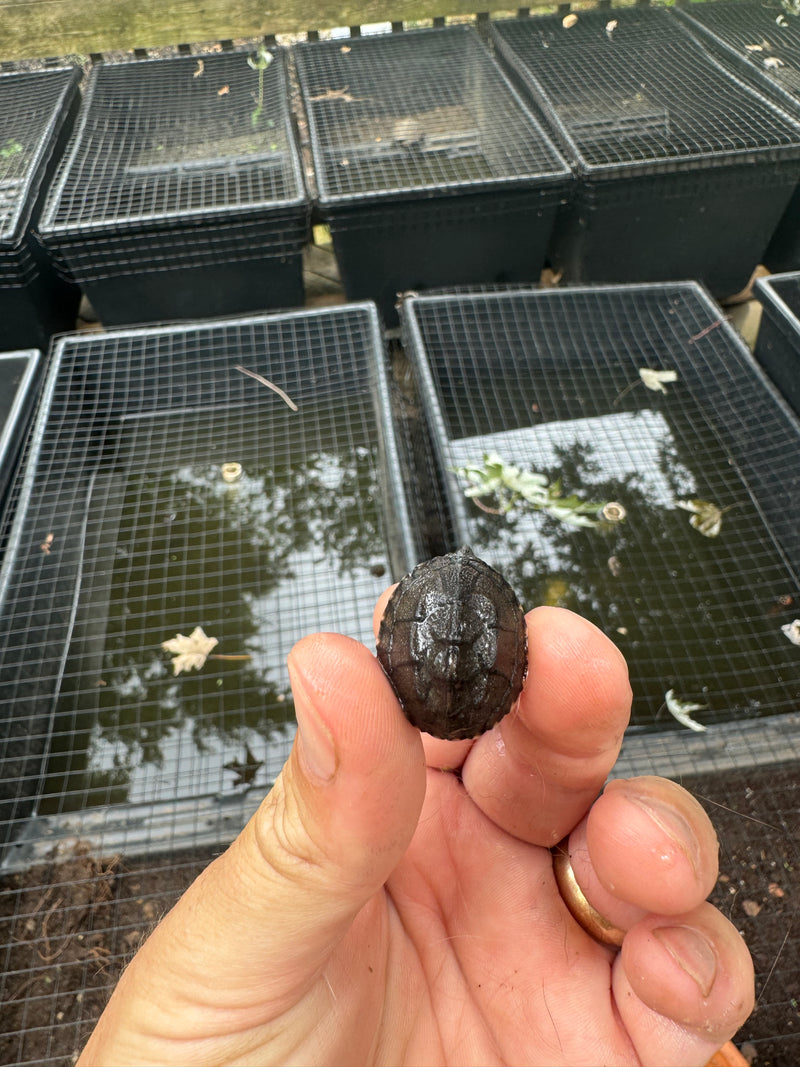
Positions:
(289, 548)
(691, 613)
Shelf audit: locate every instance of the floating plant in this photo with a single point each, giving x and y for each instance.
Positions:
(511, 488)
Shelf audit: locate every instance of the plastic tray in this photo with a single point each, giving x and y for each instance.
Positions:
(430, 169)
(778, 341)
(37, 111)
(549, 381)
(130, 529)
(761, 41)
(181, 194)
(666, 189)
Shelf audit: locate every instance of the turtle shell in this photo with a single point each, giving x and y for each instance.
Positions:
(453, 643)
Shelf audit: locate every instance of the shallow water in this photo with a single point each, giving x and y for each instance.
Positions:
(292, 547)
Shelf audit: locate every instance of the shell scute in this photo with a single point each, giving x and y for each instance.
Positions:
(453, 643)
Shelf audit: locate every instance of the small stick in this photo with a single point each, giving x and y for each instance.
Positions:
(708, 329)
(219, 655)
(270, 385)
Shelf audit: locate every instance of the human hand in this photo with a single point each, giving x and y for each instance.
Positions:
(379, 908)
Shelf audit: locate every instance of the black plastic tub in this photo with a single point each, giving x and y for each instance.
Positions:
(761, 42)
(19, 376)
(778, 341)
(181, 194)
(165, 490)
(37, 111)
(683, 170)
(548, 382)
(430, 171)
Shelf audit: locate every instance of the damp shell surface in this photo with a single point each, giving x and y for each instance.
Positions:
(453, 643)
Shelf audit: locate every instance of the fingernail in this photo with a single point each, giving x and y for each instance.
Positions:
(671, 823)
(315, 747)
(693, 953)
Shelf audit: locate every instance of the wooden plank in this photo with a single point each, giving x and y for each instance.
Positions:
(35, 28)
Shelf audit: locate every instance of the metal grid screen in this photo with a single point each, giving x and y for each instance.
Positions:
(169, 137)
(32, 106)
(132, 527)
(416, 110)
(630, 87)
(550, 382)
(761, 34)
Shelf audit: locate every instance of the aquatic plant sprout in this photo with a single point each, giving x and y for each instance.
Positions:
(511, 488)
(681, 710)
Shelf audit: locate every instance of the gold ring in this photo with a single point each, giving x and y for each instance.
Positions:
(587, 916)
(601, 929)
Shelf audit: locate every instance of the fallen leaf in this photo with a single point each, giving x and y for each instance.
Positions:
(190, 652)
(681, 711)
(610, 27)
(569, 21)
(792, 631)
(656, 379)
(754, 47)
(245, 772)
(706, 517)
(772, 62)
(751, 908)
(200, 68)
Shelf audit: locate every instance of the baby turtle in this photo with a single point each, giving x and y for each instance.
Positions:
(453, 643)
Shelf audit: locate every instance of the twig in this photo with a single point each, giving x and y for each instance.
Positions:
(338, 94)
(221, 656)
(708, 329)
(486, 508)
(774, 964)
(626, 390)
(270, 385)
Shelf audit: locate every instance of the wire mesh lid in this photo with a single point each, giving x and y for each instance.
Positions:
(31, 106)
(631, 88)
(556, 412)
(187, 135)
(238, 476)
(758, 31)
(416, 111)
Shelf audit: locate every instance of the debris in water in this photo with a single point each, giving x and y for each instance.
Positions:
(681, 710)
(270, 385)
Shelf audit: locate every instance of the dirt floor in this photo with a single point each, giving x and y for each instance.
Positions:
(72, 925)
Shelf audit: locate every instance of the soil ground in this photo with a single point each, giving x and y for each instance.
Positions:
(71, 925)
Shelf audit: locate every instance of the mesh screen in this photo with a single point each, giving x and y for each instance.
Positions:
(158, 138)
(761, 34)
(550, 382)
(33, 106)
(632, 87)
(131, 530)
(410, 111)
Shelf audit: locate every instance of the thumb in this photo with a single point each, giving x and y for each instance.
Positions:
(273, 907)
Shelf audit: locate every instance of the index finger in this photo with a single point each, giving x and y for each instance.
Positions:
(538, 771)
